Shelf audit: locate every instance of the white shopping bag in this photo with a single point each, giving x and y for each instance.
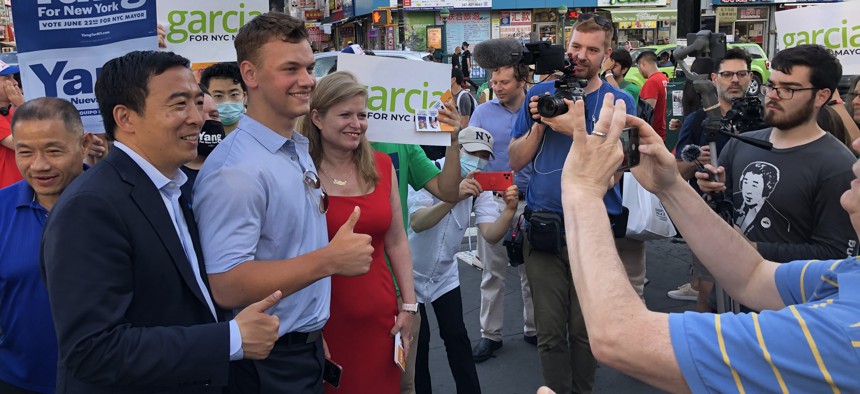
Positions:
(648, 220)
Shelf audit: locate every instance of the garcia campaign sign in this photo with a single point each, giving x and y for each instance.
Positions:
(204, 30)
(63, 44)
(835, 26)
(396, 90)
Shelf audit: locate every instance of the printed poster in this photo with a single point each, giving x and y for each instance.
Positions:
(397, 90)
(816, 25)
(62, 46)
(204, 30)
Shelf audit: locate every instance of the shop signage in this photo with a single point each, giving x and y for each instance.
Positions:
(637, 25)
(440, 4)
(653, 15)
(816, 25)
(719, 2)
(515, 24)
(313, 15)
(745, 13)
(472, 26)
(727, 14)
(631, 3)
(397, 90)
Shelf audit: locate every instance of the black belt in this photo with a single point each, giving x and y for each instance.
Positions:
(299, 338)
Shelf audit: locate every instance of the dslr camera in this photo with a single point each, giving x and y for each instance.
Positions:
(746, 114)
(549, 59)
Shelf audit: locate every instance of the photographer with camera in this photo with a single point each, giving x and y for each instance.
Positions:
(731, 76)
(786, 200)
(806, 341)
(566, 358)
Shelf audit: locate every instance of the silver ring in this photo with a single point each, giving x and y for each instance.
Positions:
(599, 134)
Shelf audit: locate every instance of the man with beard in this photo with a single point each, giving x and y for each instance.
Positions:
(732, 78)
(814, 167)
(565, 354)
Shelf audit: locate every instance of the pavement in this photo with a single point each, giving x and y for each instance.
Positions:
(515, 368)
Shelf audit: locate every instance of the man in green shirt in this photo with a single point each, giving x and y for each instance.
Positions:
(615, 68)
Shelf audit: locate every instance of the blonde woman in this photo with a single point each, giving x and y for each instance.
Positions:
(364, 313)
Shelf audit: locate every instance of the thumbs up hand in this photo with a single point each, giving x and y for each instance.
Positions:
(258, 329)
(350, 252)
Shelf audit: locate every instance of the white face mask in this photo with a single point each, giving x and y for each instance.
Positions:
(469, 163)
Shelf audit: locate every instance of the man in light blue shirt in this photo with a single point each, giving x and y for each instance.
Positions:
(261, 210)
(498, 116)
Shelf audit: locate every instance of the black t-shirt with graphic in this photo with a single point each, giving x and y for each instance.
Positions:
(787, 200)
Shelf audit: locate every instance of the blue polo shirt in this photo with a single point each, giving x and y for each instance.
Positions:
(544, 190)
(499, 121)
(810, 346)
(28, 343)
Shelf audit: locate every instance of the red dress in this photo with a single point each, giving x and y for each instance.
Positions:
(363, 308)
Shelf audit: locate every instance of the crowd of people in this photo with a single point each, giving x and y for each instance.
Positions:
(241, 234)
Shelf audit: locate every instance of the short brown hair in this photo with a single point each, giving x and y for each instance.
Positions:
(262, 29)
(589, 25)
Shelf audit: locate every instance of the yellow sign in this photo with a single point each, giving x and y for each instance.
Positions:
(727, 14)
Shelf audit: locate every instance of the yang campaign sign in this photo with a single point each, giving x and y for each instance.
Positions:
(63, 44)
(836, 26)
(204, 30)
(398, 90)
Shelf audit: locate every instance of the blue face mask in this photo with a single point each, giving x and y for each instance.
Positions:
(469, 163)
(229, 111)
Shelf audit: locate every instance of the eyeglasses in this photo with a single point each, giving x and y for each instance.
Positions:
(782, 92)
(312, 181)
(728, 75)
(600, 20)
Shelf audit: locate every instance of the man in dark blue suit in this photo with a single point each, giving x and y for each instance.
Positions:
(120, 252)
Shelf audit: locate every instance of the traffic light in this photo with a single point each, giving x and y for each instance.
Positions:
(572, 15)
(381, 17)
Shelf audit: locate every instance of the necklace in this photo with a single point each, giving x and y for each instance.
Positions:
(334, 180)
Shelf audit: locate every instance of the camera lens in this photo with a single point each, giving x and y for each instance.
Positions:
(551, 106)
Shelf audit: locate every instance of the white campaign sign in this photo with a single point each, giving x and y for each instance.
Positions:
(203, 30)
(817, 25)
(397, 88)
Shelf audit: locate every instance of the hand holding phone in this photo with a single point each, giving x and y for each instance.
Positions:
(495, 181)
(331, 373)
(630, 144)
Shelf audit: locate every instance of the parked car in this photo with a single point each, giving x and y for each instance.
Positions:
(760, 65)
(633, 74)
(326, 62)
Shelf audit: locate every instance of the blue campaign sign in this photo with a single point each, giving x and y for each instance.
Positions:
(55, 24)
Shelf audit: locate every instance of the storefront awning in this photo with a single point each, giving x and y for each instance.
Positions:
(644, 15)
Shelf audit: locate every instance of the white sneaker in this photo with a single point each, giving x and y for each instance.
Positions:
(685, 292)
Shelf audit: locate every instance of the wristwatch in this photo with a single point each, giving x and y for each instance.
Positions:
(409, 308)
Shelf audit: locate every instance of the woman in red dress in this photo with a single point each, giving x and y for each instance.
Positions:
(364, 313)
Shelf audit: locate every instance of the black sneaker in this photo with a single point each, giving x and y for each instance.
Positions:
(485, 349)
(530, 339)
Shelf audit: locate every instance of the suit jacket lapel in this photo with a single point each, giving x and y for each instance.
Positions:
(150, 202)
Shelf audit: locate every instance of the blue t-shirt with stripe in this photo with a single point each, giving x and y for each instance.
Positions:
(810, 346)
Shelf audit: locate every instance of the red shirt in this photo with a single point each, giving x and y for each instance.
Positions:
(9, 173)
(655, 88)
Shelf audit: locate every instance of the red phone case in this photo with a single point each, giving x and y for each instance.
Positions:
(495, 181)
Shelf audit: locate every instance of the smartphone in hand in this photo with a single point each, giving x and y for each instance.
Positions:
(630, 144)
(331, 373)
(495, 181)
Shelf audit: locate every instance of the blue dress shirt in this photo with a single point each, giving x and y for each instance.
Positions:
(251, 203)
